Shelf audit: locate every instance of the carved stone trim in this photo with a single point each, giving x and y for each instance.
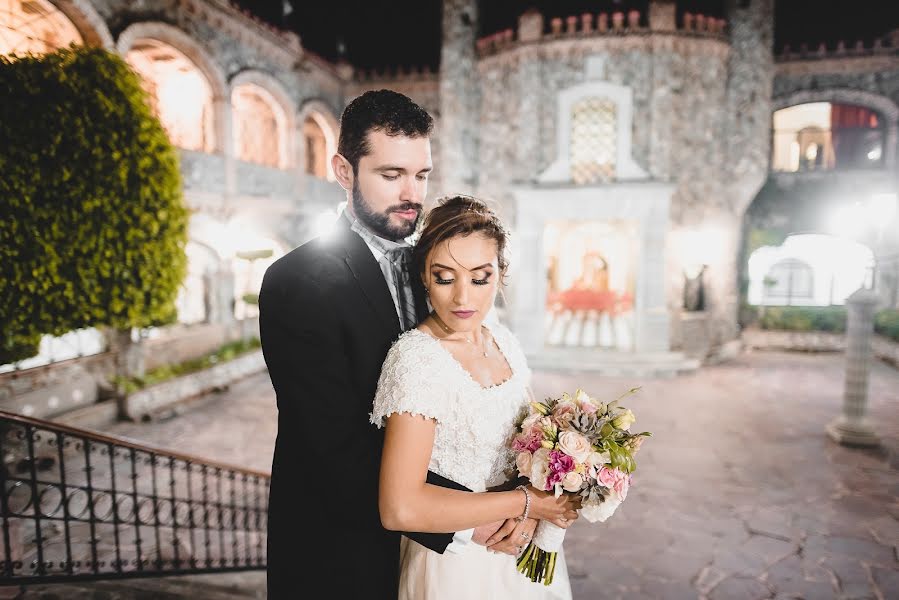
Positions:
(88, 21)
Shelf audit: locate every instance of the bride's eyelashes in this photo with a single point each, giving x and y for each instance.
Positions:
(440, 281)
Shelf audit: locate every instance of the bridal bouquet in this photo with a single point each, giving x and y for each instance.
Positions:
(580, 445)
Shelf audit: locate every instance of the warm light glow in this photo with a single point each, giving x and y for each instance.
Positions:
(696, 247)
(324, 223)
(825, 270)
(848, 220)
(179, 93)
(34, 26)
(883, 208)
(875, 153)
(260, 127)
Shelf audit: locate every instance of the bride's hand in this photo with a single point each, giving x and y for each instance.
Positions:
(561, 511)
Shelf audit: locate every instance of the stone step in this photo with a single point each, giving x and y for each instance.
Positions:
(615, 364)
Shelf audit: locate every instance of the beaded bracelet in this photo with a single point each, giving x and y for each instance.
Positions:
(527, 503)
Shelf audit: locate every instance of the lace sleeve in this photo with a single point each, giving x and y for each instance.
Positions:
(409, 381)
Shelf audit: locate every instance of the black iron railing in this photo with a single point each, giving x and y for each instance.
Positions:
(78, 505)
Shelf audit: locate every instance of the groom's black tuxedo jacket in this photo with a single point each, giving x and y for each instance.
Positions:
(327, 320)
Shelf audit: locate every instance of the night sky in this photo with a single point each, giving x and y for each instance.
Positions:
(407, 32)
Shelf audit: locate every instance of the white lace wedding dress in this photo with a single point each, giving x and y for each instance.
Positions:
(471, 446)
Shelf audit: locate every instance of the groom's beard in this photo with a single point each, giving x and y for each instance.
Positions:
(379, 223)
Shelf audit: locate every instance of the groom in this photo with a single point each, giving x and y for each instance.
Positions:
(328, 313)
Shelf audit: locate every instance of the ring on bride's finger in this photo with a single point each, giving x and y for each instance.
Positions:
(563, 519)
(525, 535)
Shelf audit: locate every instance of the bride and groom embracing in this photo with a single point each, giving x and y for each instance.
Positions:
(397, 394)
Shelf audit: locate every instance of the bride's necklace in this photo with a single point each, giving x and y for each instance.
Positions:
(447, 330)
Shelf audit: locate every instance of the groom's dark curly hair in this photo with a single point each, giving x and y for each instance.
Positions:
(379, 110)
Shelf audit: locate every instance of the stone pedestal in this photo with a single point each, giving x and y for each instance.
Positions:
(852, 427)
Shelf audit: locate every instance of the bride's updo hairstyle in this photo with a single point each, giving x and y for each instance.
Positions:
(459, 216)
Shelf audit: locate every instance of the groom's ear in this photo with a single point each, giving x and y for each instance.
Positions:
(343, 171)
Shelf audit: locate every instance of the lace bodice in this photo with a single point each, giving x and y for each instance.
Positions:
(475, 424)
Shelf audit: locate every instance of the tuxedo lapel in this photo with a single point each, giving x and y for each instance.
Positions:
(368, 275)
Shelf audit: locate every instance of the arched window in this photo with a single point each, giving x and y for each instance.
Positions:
(260, 127)
(790, 279)
(594, 140)
(316, 148)
(34, 26)
(824, 135)
(179, 93)
(191, 302)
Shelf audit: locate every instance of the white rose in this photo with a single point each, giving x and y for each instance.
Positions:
(575, 445)
(539, 468)
(572, 481)
(602, 511)
(523, 462)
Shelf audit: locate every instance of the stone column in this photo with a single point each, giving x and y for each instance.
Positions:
(459, 98)
(224, 143)
(852, 427)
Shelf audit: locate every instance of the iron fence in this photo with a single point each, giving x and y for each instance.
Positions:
(78, 505)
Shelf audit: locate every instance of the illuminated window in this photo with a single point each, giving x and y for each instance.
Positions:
(34, 26)
(316, 149)
(260, 127)
(594, 140)
(791, 279)
(179, 93)
(823, 136)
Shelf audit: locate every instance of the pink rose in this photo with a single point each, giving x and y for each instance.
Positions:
(607, 477)
(622, 484)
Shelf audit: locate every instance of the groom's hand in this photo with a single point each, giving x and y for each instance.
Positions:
(483, 533)
(512, 537)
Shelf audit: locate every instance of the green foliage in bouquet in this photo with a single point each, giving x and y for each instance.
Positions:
(94, 224)
(886, 323)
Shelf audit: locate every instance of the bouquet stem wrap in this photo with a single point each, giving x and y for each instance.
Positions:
(538, 561)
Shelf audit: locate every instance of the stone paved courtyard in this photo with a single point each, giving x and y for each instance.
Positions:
(739, 494)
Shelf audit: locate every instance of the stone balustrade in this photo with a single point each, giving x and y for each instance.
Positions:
(842, 49)
(407, 74)
(531, 28)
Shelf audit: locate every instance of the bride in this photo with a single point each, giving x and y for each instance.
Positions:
(450, 393)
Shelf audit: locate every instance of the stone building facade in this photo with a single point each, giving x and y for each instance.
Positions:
(624, 150)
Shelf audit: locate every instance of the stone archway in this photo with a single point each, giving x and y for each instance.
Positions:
(88, 21)
(198, 55)
(888, 109)
(47, 25)
(320, 117)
